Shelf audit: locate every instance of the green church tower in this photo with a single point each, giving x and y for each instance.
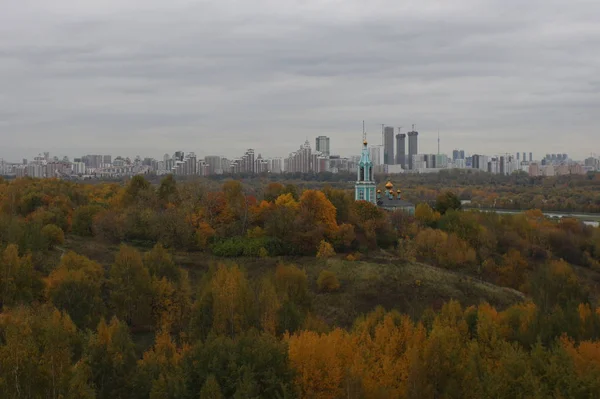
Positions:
(364, 189)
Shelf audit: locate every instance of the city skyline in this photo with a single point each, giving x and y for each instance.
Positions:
(132, 76)
(427, 143)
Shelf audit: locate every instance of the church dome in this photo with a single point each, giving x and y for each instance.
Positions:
(389, 185)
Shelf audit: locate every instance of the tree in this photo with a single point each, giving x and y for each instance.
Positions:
(53, 235)
(269, 306)
(130, 283)
(231, 298)
(19, 283)
(137, 189)
(159, 372)
(447, 200)
(160, 264)
(167, 191)
(325, 250)
(111, 356)
(426, 215)
(272, 191)
(75, 286)
(83, 220)
(211, 389)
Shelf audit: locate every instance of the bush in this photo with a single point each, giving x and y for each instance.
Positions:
(251, 247)
(53, 235)
(328, 282)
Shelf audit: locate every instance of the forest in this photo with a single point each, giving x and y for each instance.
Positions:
(224, 289)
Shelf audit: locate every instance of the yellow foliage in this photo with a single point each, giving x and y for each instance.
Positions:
(328, 282)
(325, 250)
(426, 215)
(321, 363)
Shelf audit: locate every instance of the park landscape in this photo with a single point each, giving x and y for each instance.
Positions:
(256, 288)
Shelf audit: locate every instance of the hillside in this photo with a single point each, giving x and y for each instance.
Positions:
(408, 287)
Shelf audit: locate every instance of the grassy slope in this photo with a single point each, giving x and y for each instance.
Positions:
(408, 287)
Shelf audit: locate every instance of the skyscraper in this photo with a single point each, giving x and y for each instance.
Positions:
(375, 154)
(322, 145)
(531, 157)
(401, 149)
(518, 156)
(388, 145)
(413, 147)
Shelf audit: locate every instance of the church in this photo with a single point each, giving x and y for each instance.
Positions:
(365, 188)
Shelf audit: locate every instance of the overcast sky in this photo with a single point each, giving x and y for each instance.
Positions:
(216, 77)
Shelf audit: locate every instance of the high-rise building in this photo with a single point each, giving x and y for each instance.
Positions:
(213, 164)
(518, 156)
(322, 145)
(455, 155)
(413, 147)
(375, 154)
(524, 159)
(106, 159)
(178, 156)
(388, 145)
(401, 150)
(300, 160)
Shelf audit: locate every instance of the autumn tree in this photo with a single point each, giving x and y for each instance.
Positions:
(269, 306)
(231, 298)
(19, 283)
(130, 294)
(37, 348)
(426, 215)
(75, 286)
(159, 373)
(325, 250)
(160, 264)
(272, 191)
(111, 356)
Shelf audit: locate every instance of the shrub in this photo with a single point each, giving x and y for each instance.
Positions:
(328, 282)
(251, 247)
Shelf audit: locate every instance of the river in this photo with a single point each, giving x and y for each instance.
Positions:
(591, 219)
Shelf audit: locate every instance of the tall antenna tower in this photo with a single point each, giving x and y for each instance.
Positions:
(438, 141)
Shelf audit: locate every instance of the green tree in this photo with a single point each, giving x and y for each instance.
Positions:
(211, 389)
(53, 235)
(83, 220)
(160, 264)
(446, 201)
(167, 191)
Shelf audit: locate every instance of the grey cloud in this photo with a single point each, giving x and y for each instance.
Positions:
(215, 77)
